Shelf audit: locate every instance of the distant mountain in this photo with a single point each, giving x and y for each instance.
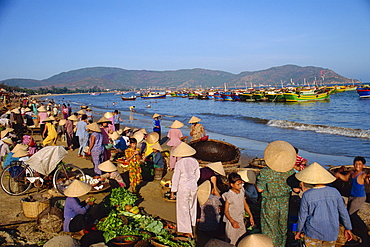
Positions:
(117, 78)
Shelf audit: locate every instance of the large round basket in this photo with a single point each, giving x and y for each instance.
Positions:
(156, 243)
(33, 207)
(214, 151)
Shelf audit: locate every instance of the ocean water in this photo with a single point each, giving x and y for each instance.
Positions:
(329, 132)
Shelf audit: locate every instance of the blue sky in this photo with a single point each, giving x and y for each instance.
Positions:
(39, 39)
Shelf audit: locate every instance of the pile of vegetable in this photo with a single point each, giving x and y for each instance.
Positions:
(122, 203)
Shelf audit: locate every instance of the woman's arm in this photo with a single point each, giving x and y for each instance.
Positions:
(91, 145)
(45, 129)
(214, 183)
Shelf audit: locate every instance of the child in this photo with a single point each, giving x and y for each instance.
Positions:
(157, 160)
(235, 207)
(115, 179)
(132, 154)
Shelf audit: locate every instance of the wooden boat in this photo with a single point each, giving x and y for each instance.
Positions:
(213, 151)
(95, 94)
(153, 96)
(306, 95)
(363, 91)
(345, 187)
(128, 98)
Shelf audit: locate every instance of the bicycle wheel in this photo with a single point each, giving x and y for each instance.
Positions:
(64, 176)
(16, 179)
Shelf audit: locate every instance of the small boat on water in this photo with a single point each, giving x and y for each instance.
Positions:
(128, 98)
(153, 96)
(95, 94)
(306, 95)
(363, 91)
(214, 151)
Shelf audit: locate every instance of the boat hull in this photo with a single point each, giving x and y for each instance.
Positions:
(128, 98)
(294, 97)
(163, 96)
(363, 92)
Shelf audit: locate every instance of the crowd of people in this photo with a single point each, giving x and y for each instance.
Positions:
(201, 199)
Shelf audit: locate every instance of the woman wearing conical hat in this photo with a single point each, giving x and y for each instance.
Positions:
(184, 182)
(210, 173)
(17, 122)
(75, 218)
(157, 124)
(50, 131)
(176, 137)
(96, 148)
(112, 174)
(280, 157)
(42, 114)
(106, 129)
(196, 129)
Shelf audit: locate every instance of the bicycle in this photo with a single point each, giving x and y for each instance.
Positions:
(18, 177)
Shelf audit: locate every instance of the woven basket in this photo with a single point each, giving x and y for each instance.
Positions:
(157, 244)
(33, 209)
(214, 151)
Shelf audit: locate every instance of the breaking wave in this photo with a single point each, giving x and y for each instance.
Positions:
(332, 130)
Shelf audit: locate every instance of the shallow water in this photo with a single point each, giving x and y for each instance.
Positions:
(329, 132)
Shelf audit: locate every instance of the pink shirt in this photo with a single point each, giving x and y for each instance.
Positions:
(174, 135)
(42, 116)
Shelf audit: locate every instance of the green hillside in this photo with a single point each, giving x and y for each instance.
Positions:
(117, 78)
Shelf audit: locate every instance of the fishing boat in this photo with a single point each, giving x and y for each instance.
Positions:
(275, 96)
(214, 151)
(363, 91)
(345, 187)
(247, 96)
(95, 94)
(128, 98)
(306, 95)
(153, 96)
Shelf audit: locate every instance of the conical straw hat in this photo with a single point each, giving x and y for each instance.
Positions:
(41, 109)
(19, 146)
(52, 118)
(20, 153)
(280, 156)
(72, 118)
(9, 129)
(203, 192)
(81, 112)
(16, 111)
(88, 109)
(104, 120)
(156, 115)
(217, 167)
(139, 136)
(93, 127)
(157, 146)
(77, 188)
(8, 141)
(152, 138)
(144, 131)
(115, 135)
(120, 131)
(176, 124)
(83, 106)
(62, 122)
(108, 114)
(315, 174)
(107, 166)
(194, 119)
(27, 109)
(48, 119)
(183, 150)
(255, 240)
(3, 133)
(126, 128)
(248, 175)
